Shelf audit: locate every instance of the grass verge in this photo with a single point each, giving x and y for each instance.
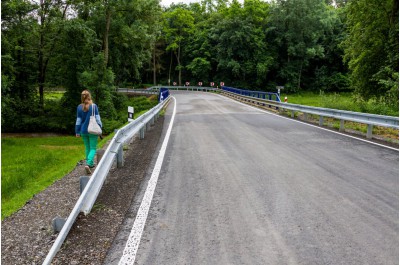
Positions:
(343, 101)
(29, 165)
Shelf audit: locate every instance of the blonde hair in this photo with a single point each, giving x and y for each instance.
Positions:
(86, 100)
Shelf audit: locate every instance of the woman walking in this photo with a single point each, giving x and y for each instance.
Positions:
(84, 111)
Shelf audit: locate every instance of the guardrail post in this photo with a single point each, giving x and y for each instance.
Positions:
(341, 128)
(369, 131)
(269, 98)
(292, 114)
(58, 224)
(83, 181)
(142, 132)
(305, 116)
(321, 120)
(120, 157)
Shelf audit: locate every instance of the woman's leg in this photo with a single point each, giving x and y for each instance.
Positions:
(92, 150)
(85, 138)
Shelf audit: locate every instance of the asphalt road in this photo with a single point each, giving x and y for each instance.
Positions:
(240, 186)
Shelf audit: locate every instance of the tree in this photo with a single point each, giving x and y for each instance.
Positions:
(73, 56)
(49, 29)
(372, 46)
(100, 81)
(18, 49)
(177, 25)
(298, 27)
(241, 49)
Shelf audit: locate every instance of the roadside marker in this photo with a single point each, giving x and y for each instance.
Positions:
(132, 245)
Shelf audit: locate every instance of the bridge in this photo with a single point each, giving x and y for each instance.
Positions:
(234, 184)
(243, 186)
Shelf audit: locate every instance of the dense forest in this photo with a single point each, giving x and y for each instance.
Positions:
(71, 45)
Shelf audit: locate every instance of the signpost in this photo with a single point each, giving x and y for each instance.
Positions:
(131, 111)
(279, 89)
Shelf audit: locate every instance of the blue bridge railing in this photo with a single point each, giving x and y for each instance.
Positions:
(251, 93)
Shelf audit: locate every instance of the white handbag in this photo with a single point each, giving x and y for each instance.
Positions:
(93, 127)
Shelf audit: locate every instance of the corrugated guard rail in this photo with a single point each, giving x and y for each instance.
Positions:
(188, 88)
(252, 93)
(342, 115)
(93, 187)
(137, 91)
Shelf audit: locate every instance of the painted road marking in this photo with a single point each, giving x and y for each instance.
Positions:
(132, 245)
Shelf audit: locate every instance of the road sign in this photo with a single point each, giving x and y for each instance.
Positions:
(187, 83)
(222, 84)
(174, 83)
(279, 89)
(200, 83)
(131, 111)
(212, 84)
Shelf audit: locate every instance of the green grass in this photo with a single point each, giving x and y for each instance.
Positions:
(29, 165)
(321, 100)
(53, 95)
(341, 101)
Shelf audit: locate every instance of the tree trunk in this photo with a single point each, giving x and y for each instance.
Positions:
(154, 66)
(394, 14)
(170, 67)
(106, 33)
(21, 75)
(43, 63)
(179, 65)
(41, 77)
(299, 81)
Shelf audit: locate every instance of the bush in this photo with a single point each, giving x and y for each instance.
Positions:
(110, 125)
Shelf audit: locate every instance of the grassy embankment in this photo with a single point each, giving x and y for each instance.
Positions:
(346, 101)
(29, 165)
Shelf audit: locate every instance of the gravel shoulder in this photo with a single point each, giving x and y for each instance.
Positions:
(27, 236)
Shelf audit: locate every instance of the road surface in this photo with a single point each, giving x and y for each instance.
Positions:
(240, 186)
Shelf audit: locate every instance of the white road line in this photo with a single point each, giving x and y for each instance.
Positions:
(270, 113)
(132, 245)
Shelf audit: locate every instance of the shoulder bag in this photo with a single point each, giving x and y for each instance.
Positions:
(93, 127)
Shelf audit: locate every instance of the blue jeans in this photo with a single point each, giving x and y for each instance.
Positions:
(90, 141)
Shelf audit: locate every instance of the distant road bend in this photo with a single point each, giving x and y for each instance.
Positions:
(240, 186)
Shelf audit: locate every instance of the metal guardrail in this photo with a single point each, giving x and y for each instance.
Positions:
(342, 115)
(188, 88)
(93, 187)
(253, 93)
(137, 91)
(155, 89)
